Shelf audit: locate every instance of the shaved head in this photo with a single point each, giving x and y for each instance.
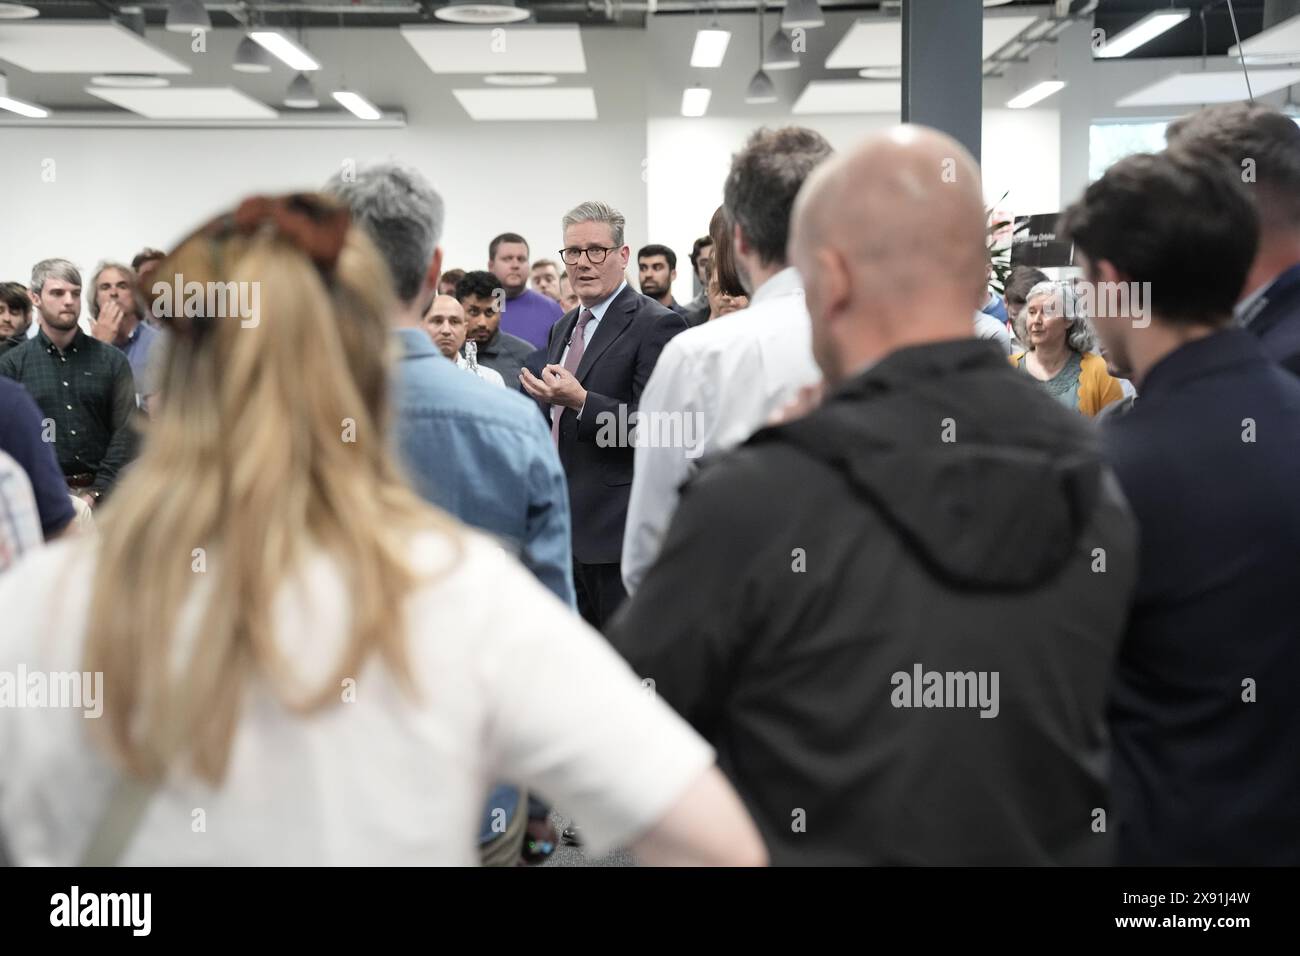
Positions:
(891, 241)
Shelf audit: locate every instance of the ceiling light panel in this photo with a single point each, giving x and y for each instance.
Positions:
(180, 103)
(573, 103)
(511, 49)
(880, 42)
(849, 96)
(1278, 42)
(1226, 86)
(73, 47)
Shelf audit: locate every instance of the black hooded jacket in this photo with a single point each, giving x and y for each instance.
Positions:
(837, 598)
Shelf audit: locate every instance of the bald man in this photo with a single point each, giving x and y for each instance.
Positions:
(905, 604)
(445, 323)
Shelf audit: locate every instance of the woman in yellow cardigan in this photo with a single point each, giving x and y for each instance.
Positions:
(1061, 355)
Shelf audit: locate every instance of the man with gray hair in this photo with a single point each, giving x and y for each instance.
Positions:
(84, 388)
(474, 450)
(728, 377)
(117, 308)
(599, 358)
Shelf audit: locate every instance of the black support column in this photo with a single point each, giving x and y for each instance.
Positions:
(943, 54)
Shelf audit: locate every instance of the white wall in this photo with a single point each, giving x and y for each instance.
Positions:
(688, 159)
(115, 191)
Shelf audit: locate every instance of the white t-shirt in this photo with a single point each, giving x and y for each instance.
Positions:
(514, 688)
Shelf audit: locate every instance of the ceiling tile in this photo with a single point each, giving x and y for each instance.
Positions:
(524, 48)
(180, 103)
(83, 47)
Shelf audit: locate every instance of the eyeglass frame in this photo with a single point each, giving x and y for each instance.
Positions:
(563, 254)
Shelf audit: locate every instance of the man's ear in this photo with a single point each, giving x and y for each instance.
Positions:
(1104, 271)
(435, 268)
(739, 242)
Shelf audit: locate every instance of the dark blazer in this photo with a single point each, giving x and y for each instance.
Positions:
(1275, 320)
(614, 369)
(1209, 459)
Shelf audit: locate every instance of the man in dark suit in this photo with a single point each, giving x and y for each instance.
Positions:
(599, 358)
(1261, 146)
(1209, 459)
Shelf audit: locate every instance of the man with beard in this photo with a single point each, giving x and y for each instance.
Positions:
(657, 267)
(483, 297)
(84, 387)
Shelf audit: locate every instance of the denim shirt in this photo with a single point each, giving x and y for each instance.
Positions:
(483, 454)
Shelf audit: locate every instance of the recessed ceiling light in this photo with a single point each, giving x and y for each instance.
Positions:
(137, 81)
(519, 79)
(710, 48)
(357, 105)
(21, 107)
(285, 50)
(1142, 32)
(695, 100)
(881, 72)
(17, 11)
(473, 11)
(1035, 94)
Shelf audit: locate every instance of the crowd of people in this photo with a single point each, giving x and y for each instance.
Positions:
(848, 560)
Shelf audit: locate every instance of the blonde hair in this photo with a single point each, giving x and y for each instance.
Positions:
(249, 459)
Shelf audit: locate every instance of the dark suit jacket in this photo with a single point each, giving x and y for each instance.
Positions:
(614, 369)
(1276, 320)
(1209, 459)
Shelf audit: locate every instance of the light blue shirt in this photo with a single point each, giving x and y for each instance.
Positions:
(483, 454)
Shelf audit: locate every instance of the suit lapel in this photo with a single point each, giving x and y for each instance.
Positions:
(555, 350)
(614, 323)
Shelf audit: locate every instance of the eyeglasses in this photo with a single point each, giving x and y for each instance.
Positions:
(595, 255)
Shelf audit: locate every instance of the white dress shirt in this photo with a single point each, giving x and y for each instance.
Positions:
(517, 689)
(726, 378)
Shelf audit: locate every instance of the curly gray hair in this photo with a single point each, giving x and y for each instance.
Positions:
(92, 290)
(1080, 337)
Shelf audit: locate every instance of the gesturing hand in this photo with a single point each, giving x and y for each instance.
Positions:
(557, 386)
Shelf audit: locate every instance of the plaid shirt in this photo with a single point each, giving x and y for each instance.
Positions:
(89, 393)
(20, 523)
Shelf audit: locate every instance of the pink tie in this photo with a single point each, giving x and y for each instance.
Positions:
(577, 345)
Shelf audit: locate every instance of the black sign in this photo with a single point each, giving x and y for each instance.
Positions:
(1035, 243)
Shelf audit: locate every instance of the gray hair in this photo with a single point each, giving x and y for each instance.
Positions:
(596, 212)
(1081, 338)
(403, 214)
(92, 292)
(60, 269)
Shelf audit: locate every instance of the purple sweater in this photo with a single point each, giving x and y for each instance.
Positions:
(530, 316)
